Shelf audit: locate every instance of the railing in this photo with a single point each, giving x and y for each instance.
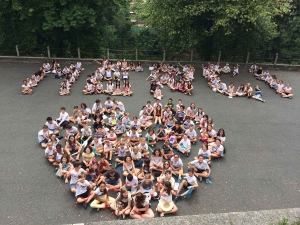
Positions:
(151, 55)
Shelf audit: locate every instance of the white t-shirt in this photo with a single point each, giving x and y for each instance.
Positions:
(205, 154)
(26, 87)
(97, 144)
(81, 187)
(287, 89)
(138, 155)
(191, 133)
(50, 152)
(212, 133)
(108, 105)
(122, 151)
(122, 199)
(125, 120)
(99, 193)
(96, 107)
(149, 108)
(219, 149)
(186, 143)
(74, 175)
(145, 146)
(73, 131)
(80, 119)
(42, 133)
(52, 125)
(135, 124)
(222, 139)
(110, 87)
(134, 181)
(280, 87)
(191, 180)
(200, 166)
(90, 87)
(166, 197)
(177, 163)
(63, 117)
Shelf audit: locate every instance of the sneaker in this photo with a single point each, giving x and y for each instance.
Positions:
(263, 101)
(61, 128)
(66, 181)
(85, 204)
(116, 165)
(56, 168)
(208, 181)
(109, 161)
(199, 178)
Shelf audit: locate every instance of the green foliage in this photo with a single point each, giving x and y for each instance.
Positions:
(63, 25)
(231, 26)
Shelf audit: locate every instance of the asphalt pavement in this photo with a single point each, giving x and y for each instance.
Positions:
(259, 172)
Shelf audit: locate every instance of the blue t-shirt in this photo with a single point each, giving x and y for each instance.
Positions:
(115, 177)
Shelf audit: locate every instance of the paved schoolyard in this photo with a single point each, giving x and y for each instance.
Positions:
(259, 172)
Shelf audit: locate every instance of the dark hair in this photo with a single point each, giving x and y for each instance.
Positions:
(88, 147)
(167, 184)
(76, 164)
(62, 108)
(49, 119)
(147, 162)
(218, 134)
(98, 100)
(105, 190)
(84, 105)
(69, 126)
(191, 170)
(66, 157)
(155, 150)
(140, 199)
(168, 172)
(129, 177)
(112, 170)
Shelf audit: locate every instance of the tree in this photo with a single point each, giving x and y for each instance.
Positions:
(63, 24)
(233, 26)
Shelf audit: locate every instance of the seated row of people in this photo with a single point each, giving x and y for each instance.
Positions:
(271, 81)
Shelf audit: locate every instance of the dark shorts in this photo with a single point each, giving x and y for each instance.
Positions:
(112, 182)
(121, 158)
(84, 195)
(45, 141)
(200, 171)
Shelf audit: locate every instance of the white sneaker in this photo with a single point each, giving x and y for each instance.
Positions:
(66, 181)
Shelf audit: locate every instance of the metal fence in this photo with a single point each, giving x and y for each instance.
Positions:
(151, 55)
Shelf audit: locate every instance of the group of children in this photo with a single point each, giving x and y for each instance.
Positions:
(69, 74)
(30, 82)
(271, 81)
(210, 72)
(148, 172)
(171, 76)
(116, 75)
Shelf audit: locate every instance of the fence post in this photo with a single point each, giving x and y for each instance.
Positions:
(48, 51)
(107, 53)
(78, 52)
(136, 54)
(247, 59)
(192, 54)
(219, 58)
(17, 50)
(164, 55)
(276, 58)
